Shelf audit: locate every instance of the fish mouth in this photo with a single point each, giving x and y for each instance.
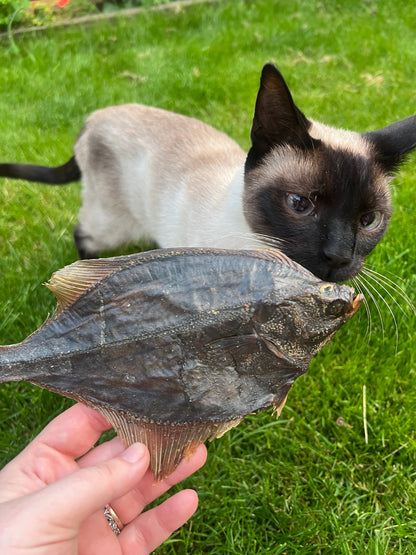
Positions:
(353, 305)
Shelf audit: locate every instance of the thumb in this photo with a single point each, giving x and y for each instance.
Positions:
(75, 497)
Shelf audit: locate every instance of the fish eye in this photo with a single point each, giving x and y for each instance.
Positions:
(371, 220)
(326, 288)
(303, 206)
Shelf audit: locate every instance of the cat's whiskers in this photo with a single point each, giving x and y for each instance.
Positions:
(387, 283)
(374, 284)
(375, 295)
(374, 288)
(256, 240)
(272, 242)
(360, 289)
(385, 273)
(366, 289)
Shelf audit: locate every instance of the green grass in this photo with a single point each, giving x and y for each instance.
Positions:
(302, 484)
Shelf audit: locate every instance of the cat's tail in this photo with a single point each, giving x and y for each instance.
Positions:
(59, 175)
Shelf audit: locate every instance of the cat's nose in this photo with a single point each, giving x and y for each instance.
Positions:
(337, 259)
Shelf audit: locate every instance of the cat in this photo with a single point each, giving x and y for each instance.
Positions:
(319, 194)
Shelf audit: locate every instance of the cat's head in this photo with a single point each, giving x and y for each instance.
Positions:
(323, 192)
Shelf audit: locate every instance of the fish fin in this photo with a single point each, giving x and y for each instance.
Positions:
(278, 407)
(225, 427)
(69, 283)
(168, 443)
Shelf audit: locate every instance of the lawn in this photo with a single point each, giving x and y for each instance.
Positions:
(305, 483)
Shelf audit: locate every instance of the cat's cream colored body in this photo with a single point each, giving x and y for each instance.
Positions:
(151, 173)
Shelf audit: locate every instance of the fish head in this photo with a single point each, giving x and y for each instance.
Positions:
(303, 313)
(323, 309)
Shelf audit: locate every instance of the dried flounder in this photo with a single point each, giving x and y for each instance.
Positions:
(177, 346)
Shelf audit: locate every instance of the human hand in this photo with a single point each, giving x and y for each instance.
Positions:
(51, 502)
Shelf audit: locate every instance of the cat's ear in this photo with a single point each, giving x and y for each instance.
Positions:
(277, 120)
(393, 142)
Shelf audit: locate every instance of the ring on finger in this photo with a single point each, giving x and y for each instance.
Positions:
(113, 520)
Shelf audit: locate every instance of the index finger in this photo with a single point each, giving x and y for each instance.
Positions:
(73, 432)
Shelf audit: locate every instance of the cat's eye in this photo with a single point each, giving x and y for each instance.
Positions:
(300, 205)
(371, 220)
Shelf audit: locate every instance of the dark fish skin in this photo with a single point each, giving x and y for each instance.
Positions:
(187, 341)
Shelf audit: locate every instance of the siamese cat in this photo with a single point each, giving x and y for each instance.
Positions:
(319, 194)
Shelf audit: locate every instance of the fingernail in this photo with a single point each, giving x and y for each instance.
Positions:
(134, 453)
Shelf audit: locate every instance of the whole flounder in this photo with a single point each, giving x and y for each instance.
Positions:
(177, 346)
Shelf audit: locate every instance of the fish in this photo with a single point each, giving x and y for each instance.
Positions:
(176, 346)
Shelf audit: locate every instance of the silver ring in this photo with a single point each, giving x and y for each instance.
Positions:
(113, 520)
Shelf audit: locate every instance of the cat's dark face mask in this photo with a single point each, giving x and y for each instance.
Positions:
(327, 209)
